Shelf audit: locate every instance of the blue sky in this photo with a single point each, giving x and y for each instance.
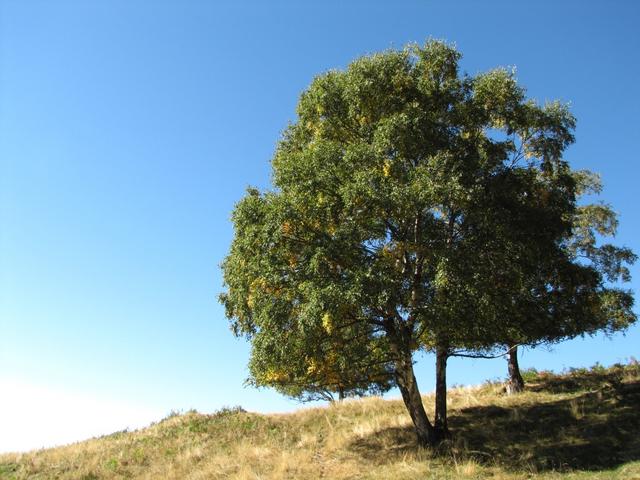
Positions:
(128, 130)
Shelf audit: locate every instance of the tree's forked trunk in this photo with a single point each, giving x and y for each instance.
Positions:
(515, 384)
(408, 386)
(440, 424)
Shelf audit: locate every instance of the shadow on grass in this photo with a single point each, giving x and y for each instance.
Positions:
(596, 429)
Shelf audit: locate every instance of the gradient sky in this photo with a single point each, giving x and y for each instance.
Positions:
(128, 130)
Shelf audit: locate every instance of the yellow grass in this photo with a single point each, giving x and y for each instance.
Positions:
(582, 425)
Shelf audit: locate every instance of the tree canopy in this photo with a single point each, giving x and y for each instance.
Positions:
(606, 307)
(414, 207)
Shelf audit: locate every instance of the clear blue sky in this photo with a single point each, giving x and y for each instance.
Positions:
(128, 130)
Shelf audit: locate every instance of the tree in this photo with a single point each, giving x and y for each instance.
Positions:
(613, 312)
(407, 198)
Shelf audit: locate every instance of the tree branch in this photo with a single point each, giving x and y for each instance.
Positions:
(460, 353)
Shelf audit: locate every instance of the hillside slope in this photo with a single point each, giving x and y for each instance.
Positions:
(579, 425)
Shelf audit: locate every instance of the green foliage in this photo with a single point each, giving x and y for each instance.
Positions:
(588, 298)
(414, 207)
(529, 374)
(112, 464)
(8, 470)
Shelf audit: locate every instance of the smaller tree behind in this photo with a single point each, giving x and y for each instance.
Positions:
(612, 309)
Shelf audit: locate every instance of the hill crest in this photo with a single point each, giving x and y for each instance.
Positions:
(579, 424)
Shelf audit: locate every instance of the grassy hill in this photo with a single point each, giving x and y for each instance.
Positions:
(579, 425)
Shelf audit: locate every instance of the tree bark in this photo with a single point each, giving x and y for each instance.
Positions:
(516, 382)
(413, 401)
(440, 424)
(400, 343)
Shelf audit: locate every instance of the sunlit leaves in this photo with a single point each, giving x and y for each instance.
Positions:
(415, 207)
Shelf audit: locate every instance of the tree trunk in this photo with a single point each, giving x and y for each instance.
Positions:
(516, 382)
(341, 395)
(440, 424)
(413, 401)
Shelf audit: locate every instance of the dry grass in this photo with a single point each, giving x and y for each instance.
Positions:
(582, 425)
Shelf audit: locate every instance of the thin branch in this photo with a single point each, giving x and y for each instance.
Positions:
(478, 355)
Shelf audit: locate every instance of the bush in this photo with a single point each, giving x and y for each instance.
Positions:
(529, 374)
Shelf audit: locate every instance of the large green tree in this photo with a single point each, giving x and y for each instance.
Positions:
(410, 203)
(611, 309)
